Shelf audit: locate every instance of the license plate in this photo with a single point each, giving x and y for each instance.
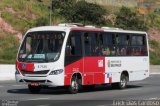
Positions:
(35, 84)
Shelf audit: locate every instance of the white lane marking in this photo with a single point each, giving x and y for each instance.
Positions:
(39, 99)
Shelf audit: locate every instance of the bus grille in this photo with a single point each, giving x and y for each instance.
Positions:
(36, 72)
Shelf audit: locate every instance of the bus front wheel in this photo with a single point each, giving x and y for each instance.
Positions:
(74, 86)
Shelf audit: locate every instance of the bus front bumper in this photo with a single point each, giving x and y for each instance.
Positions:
(50, 80)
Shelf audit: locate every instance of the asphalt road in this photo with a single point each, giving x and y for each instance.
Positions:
(18, 95)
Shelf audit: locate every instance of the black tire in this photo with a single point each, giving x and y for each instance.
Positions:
(75, 85)
(122, 84)
(34, 89)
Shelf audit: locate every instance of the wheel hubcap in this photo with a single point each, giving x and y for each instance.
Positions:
(123, 82)
(74, 85)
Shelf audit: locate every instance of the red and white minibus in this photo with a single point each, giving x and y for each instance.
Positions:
(72, 56)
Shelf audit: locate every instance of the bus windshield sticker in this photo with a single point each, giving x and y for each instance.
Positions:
(30, 56)
(39, 56)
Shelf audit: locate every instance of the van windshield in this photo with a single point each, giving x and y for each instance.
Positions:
(41, 46)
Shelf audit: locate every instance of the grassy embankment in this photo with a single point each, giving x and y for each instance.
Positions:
(24, 14)
(21, 15)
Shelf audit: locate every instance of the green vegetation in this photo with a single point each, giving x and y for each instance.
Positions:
(8, 48)
(128, 19)
(21, 15)
(79, 12)
(153, 19)
(154, 52)
(86, 13)
(24, 14)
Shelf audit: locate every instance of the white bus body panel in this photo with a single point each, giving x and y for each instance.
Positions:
(137, 68)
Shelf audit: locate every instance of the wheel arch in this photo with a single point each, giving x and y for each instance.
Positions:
(126, 73)
(79, 76)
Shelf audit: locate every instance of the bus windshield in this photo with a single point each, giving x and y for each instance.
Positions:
(41, 46)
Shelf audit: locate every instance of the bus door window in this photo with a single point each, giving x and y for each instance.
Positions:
(68, 47)
(74, 46)
(87, 44)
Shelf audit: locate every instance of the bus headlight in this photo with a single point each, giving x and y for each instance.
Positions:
(56, 72)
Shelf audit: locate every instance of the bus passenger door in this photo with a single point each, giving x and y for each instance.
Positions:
(73, 56)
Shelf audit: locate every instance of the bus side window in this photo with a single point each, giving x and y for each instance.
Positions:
(108, 44)
(138, 45)
(122, 42)
(91, 42)
(68, 48)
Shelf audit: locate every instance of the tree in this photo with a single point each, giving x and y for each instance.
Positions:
(62, 8)
(90, 12)
(42, 21)
(127, 19)
(79, 11)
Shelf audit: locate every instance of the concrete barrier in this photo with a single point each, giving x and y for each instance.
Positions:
(155, 69)
(7, 72)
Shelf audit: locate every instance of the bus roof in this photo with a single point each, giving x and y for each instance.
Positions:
(65, 28)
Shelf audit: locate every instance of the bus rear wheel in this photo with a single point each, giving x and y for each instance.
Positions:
(122, 84)
(34, 89)
(74, 86)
